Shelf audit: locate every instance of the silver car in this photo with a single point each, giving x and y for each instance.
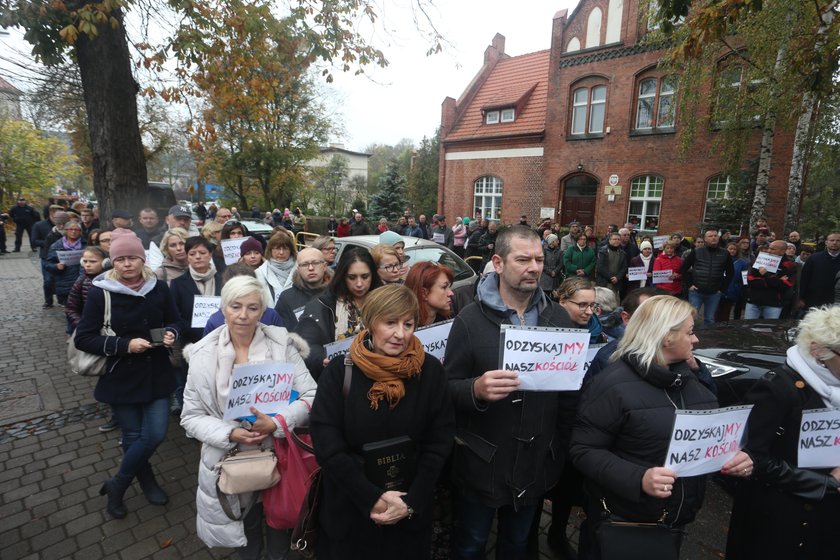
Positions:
(417, 250)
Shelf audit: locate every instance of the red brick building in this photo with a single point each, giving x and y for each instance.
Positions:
(585, 130)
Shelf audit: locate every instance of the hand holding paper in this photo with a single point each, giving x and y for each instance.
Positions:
(494, 385)
(264, 423)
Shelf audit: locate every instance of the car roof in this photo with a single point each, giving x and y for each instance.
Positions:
(373, 240)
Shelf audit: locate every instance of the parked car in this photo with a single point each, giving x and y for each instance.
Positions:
(257, 227)
(416, 250)
(739, 353)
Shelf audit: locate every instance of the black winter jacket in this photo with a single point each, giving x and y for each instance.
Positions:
(293, 300)
(507, 452)
(623, 428)
(317, 327)
(710, 269)
(129, 378)
(40, 231)
(602, 268)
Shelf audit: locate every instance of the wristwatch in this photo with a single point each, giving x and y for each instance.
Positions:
(410, 509)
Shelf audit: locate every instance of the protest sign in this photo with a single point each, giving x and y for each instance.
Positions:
(819, 439)
(230, 249)
(338, 348)
(438, 238)
(203, 308)
(546, 358)
(267, 387)
(154, 257)
(590, 355)
(636, 273)
(702, 441)
(659, 241)
(768, 261)
(68, 258)
(662, 276)
(434, 337)
(744, 274)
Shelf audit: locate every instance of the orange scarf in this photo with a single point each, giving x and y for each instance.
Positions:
(387, 372)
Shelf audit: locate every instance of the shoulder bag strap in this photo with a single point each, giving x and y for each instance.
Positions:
(107, 323)
(348, 373)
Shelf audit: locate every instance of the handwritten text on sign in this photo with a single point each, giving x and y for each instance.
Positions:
(704, 440)
(434, 337)
(231, 249)
(203, 308)
(267, 387)
(547, 359)
(819, 439)
(662, 276)
(768, 261)
(659, 241)
(636, 273)
(68, 258)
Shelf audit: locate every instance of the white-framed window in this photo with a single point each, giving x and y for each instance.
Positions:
(588, 110)
(491, 117)
(718, 188)
(655, 103)
(488, 197)
(508, 115)
(645, 202)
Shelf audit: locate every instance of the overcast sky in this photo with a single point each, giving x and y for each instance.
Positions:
(403, 100)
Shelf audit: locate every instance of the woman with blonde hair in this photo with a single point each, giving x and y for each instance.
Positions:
(175, 264)
(787, 511)
(625, 418)
(138, 376)
(212, 232)
(241, 340)
(388, 263)
(391, 389)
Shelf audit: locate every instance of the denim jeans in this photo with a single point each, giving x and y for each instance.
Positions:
(143, 428)
(49, 282)
(709, 302)
(761, 311)
(473, 529)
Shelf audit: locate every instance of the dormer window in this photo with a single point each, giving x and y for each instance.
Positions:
(500, 116)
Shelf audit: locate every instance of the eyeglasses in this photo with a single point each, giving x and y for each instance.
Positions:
(583, 306)
(391, 267)
(311, 264)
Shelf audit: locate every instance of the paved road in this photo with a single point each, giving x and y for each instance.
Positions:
(53, 459)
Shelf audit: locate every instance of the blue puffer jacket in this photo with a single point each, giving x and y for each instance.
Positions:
(733, 292)
(64, 279)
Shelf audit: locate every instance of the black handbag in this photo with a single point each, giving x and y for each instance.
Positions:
(628, 540)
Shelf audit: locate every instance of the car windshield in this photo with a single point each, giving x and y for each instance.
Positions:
(434, 254)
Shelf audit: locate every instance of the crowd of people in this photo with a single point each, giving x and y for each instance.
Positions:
(485, 450)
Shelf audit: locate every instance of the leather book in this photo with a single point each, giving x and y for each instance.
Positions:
(391, 463)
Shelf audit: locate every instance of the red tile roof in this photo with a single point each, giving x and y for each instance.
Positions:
(517, 80)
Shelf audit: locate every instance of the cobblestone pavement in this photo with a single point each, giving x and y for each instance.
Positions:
(53, 459)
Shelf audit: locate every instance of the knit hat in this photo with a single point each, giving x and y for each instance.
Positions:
(645, 245)
(391, 238)
(250, 244)
(550, 239)
(124, 243)
(466, 221)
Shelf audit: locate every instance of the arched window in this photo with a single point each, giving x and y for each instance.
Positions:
(488, 197)
(645, 202)
(593, 28)
(717, 189)
(574, 45)
(589, 106)
(655, 107)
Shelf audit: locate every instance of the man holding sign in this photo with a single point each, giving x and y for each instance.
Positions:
(625, 421)
(769, 287)
(792, 507)
(499, 474)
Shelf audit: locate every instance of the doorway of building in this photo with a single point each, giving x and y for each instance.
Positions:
(579, 197)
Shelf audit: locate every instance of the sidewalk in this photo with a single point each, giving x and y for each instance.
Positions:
(53, 459)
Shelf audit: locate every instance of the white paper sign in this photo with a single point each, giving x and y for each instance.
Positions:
(702, 441)
(744, 274)
(546, 358)
(590, 355)
(659, 241)
(438, 237)
(203, 308)
(819, 439)
(154, 257)
(768, 261)
(267, 387)
(662, 276)
(69, 258)
(230, 249)
(635, 273)
(338, 348)
(434, 337)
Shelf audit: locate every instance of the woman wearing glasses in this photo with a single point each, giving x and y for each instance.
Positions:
(326, 245)
(577, 296)
(388, 263)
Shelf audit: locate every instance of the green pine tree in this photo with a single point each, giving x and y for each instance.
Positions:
(389, 200)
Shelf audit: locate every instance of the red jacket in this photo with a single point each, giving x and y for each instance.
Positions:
(343, 230)
(672, 263)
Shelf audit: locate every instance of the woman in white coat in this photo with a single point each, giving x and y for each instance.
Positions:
(242, 340)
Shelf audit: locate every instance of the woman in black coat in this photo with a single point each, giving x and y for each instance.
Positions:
(138, 378)
(625, 418)
(785, 511)
(395, 390)
(336, 314)
(200, 279)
